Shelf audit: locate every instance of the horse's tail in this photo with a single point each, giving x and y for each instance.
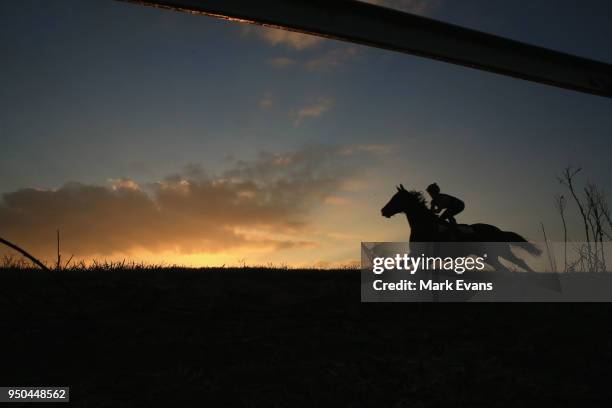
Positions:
(516, 239)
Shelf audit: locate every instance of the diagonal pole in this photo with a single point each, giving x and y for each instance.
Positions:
(381, 27)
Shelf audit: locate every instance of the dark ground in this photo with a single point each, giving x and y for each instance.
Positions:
(288, 338)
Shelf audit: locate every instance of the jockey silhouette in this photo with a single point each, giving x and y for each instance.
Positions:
(439, 201)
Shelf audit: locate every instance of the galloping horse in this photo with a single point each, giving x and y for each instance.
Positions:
(426, 227)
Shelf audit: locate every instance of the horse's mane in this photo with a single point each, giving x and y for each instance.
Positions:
(418, 196)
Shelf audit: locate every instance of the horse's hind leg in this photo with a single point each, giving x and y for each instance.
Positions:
(494, 262)
(509, 255)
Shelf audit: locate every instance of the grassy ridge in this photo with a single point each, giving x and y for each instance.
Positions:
(269, 337)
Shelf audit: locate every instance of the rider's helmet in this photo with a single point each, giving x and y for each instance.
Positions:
(433, 189)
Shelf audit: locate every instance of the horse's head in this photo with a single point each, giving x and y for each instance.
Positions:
(402, 201)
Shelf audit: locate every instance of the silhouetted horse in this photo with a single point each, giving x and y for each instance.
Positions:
(426, 227)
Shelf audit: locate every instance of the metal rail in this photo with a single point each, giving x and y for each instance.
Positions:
(381, 27)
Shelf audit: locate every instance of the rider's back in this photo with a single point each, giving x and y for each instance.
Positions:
(442, 200)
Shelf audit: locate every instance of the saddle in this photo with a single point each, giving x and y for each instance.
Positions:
(455, 229)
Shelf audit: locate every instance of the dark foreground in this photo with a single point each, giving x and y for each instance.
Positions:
(250, 337)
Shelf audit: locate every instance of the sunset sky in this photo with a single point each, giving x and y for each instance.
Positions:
(159, 136)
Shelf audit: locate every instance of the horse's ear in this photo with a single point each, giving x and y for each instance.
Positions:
(398, 189)
(402, 187)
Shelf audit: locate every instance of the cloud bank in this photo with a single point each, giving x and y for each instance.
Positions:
(264, 203)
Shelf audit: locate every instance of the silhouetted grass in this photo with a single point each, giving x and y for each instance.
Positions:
(148, 336)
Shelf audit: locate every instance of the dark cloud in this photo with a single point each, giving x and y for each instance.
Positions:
(272, 195)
